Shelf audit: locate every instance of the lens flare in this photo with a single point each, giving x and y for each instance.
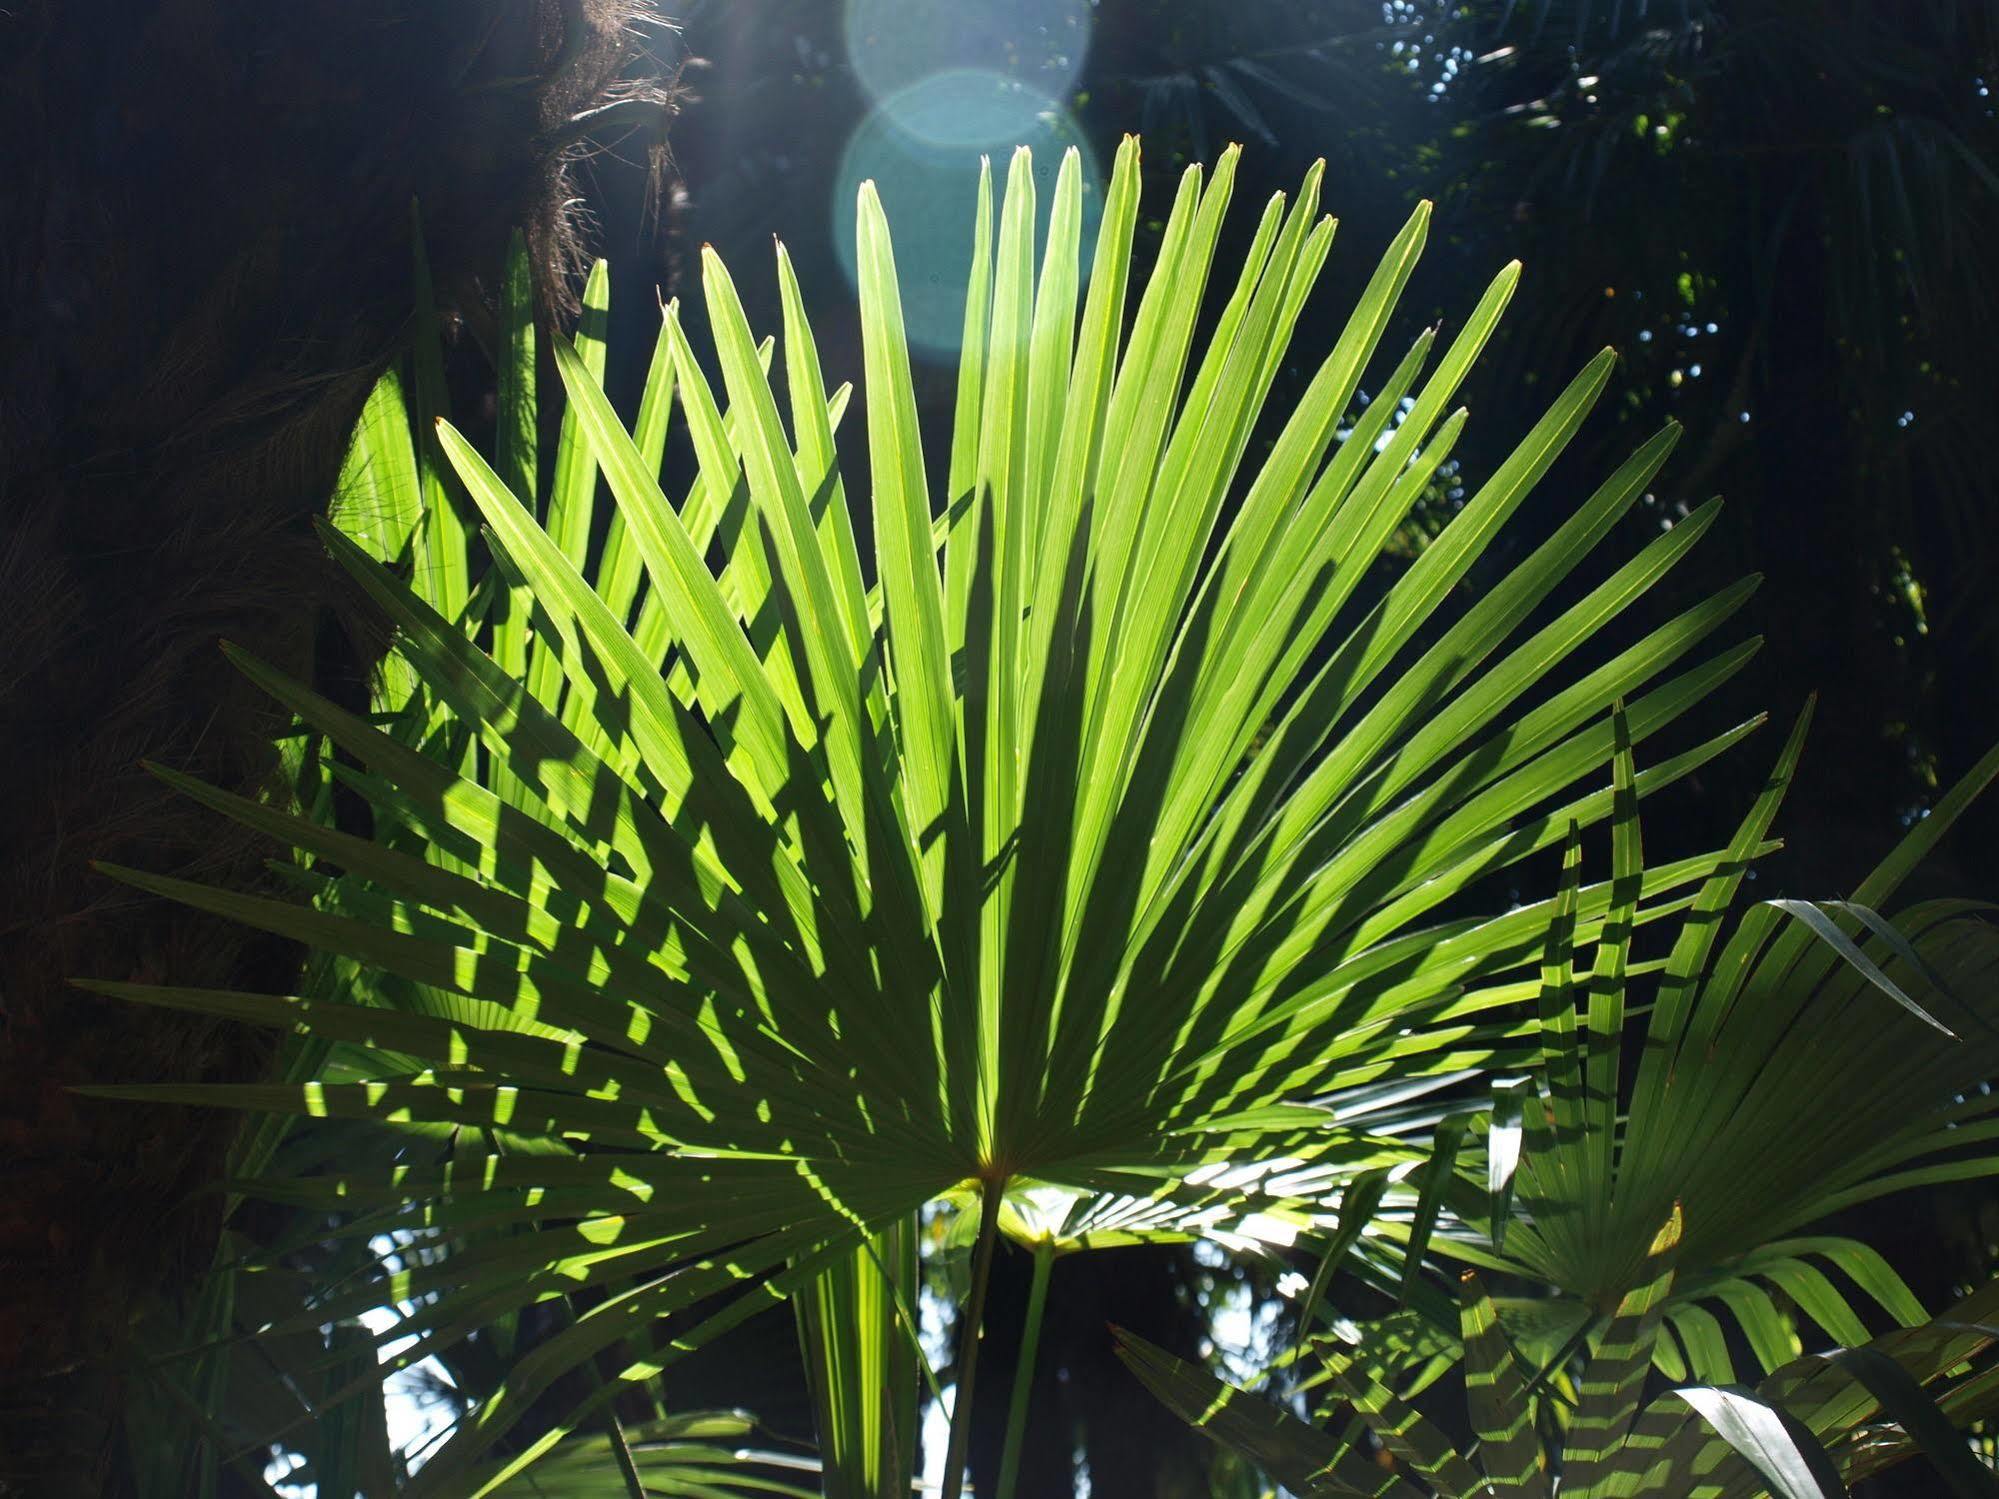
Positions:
(928, 183)
(893, 44)
(969, 108)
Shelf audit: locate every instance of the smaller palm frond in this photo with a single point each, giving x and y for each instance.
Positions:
(1816, 1057)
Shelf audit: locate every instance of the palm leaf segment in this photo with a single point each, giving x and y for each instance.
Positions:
(780, 904)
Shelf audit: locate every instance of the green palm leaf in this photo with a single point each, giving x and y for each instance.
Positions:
(1122, 833)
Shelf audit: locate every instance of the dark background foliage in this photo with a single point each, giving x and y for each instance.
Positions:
(205, 212)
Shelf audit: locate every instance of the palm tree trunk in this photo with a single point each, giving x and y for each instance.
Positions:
(204, 260)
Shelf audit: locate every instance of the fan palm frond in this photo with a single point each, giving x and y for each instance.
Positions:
(1819, 1057)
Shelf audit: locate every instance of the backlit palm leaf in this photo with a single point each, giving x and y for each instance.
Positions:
(781, 900)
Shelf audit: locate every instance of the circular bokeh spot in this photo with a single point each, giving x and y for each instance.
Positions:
(893, 44)
(929, 181)
(968, 109)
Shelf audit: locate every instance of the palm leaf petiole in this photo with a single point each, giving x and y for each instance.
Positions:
(968, 1339)
(622, 1450)
(1023, 1374)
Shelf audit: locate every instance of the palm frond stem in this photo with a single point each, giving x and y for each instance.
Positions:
(990, 1193)
(1023, 1374)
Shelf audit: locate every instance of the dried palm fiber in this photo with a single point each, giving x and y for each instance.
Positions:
(204, 264)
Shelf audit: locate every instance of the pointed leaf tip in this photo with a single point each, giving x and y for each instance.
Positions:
(1670, 1232)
